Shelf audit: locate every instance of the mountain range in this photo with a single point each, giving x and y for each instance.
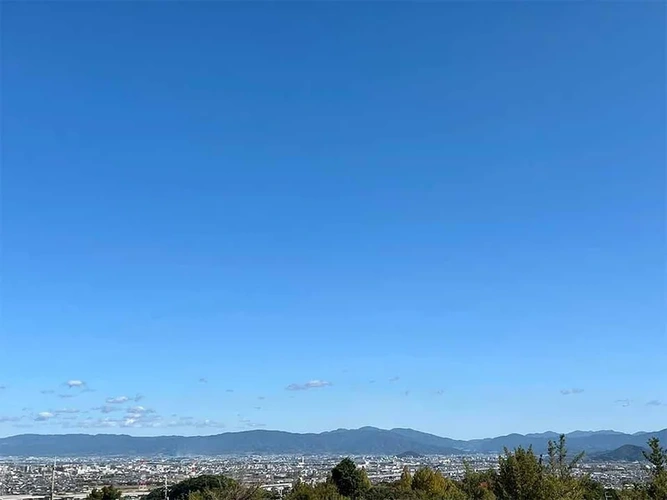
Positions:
(363, 441)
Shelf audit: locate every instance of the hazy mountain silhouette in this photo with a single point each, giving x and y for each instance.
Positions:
(364, 441)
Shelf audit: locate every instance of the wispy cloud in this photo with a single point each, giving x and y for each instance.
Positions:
(6, 418)
(66, 396)
(261, 398)
(137, 417)
(439, 392)
(139, 412)
(654, 402)
(70, 411)
(3, 387)
(140, 409)
(47, 391)
(394, 379)
(118, 400)
(43, 416)
(406, 393)
(623, 402)
(313, 384)
(107, 409)
(198, 424)
(93, 423)
(23, 426)
(246, 422)
(567, 392)
(203, 380)
(229, 390)
(206, 423)
(255, 425)
(78, 384)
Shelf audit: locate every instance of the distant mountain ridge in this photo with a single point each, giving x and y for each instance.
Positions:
(363, 441)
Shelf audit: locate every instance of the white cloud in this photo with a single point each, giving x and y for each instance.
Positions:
(313, 384)
(118, 400)
(75, 384)
(43, 416)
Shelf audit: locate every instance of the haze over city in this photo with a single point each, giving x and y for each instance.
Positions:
(310, 216)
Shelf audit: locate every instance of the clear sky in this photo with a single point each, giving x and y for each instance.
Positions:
(306, 216)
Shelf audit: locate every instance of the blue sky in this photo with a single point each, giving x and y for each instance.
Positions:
(448, 216)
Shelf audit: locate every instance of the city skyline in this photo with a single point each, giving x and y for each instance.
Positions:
(304, 217)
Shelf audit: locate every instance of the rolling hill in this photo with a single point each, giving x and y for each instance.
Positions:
(625, 453)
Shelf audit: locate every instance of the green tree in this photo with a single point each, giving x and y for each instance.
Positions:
(234, 492)
(559, 465)
(106, 493)
(328, 491)
(635, 492)
(657, 457)
(520, 476)
(592, 490)
(559, 484)
(349, 479)
(182, 489)
(432, 484)
(428, 481)
(405, 483)
(300, 491)
(478, 485)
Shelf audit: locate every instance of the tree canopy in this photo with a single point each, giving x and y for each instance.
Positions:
(105, 493)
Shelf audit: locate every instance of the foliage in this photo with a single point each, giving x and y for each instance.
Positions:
(405, 482)
(183, 489)
(321, 491)
(559, 465)
(478, 485)
(350, 481)
(233, 492)
(657, 456)
(520, 476)
(106, 493)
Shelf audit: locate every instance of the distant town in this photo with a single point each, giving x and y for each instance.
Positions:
(74, 478)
